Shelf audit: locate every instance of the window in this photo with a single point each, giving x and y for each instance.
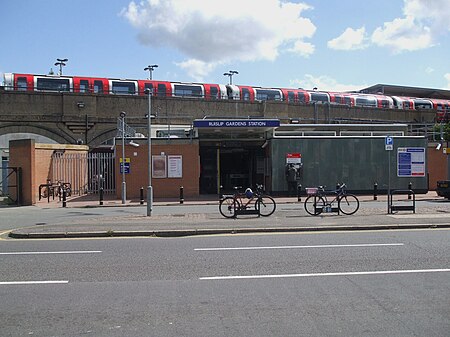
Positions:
(267, 95)
(53, 84)
(245, 94)
(98, 87)
(188, 90)
(422, 104)
(162, 90)
(291, 97)
(214, 93)
(22, 84)
(319, 97)
(366, 101)
(124, 88)
(84, 86)
(148, 87)
(301, 97)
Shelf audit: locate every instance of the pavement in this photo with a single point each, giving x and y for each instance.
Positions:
(87, 218)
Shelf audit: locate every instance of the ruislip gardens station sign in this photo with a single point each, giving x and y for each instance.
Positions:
(236, 123)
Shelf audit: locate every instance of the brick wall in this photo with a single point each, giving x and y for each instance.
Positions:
(162, 187)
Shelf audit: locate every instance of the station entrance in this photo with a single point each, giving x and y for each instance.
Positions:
(224, 165)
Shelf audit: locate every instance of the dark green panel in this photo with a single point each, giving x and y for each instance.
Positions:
(359, 162)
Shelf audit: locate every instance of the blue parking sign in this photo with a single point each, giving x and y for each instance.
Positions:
(389, 143)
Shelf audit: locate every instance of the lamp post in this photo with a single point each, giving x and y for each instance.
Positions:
(124, 184)
(61, 63)
(230, 74)
(150, 69)
(149, 139)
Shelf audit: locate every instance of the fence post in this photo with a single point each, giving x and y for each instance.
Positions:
(101, 196)
(299, 192)
(375, 191)
(64, 197)
(141, 193)
(181, 194)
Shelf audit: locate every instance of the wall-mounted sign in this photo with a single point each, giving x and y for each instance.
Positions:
(411, 162)
(175, 166)
(125, 167)
(293, 158)
(159, 166)
(236, 123)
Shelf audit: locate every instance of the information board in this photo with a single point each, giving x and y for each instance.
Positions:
(411, 162)
(175, 166)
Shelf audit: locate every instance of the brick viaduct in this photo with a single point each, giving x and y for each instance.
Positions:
(69, 117)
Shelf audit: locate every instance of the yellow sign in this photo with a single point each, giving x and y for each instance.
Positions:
(127, 160)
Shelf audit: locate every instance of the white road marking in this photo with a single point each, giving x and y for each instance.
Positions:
(33, 282)
(300, 247)
(380, 272)
(60, 252)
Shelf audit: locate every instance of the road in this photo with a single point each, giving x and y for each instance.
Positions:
(380, 283)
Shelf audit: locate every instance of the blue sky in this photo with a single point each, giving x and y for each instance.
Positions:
(331, 45)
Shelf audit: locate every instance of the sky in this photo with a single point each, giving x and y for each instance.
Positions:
(331, 45)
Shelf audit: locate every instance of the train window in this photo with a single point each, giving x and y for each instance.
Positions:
(347, 100)
(422, 104)
(84, 86)
(162, 90)
(22, 84)
(267, 95)
(366, 101)
(301, 97)
(291, 97)
(147, 87)
(214, 93)
(53, 84)
(245, 94)
(319, 97)
(125, 88)
(187, 90)
(98, 87)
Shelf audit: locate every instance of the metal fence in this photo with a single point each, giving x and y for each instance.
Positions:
(86, 173)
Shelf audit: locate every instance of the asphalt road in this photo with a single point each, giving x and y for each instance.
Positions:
(380, 283)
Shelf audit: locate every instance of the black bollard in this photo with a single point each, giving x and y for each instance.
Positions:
(101, 195)
(299, 192)
(142, 195)
(409, 190)
(375, 191)
(64, 198)
(181, 194)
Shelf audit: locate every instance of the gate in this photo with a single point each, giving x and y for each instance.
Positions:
(10, 183)
(85, 172)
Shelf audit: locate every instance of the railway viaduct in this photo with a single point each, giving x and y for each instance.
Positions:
(92, 119)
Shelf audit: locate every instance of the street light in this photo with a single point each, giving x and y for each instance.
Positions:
(230, 74)
(124, 184)
(150, 70)
(149, 139)
(61, 63)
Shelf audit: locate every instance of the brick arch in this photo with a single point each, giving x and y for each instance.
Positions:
(103, 137)
(48, 132)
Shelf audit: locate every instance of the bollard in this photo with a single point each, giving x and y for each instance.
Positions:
(142, 196)
(409, 190)
(64, 198)
(181, 194)
(101, 195)
(299, 192)
(375, 191)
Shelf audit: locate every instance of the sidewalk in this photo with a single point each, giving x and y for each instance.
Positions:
(201, 217)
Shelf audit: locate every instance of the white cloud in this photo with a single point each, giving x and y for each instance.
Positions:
(447, 78)
(429, 70)
(423, 22)
(196, 69)
(208, 32)
(350, 39)
(325, 83)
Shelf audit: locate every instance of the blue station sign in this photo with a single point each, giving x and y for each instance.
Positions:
(236, 123)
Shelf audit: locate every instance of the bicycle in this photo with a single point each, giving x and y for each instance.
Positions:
(251, 202)
(317, 202)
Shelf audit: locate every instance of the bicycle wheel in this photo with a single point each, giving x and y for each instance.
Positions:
(348, 204)
(227, 207)
(314, 205)
(266, 205)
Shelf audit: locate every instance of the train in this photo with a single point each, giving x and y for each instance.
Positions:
(109, 86)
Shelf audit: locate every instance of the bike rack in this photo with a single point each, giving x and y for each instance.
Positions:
(247, 211)
(395, 208)
(323, 209)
